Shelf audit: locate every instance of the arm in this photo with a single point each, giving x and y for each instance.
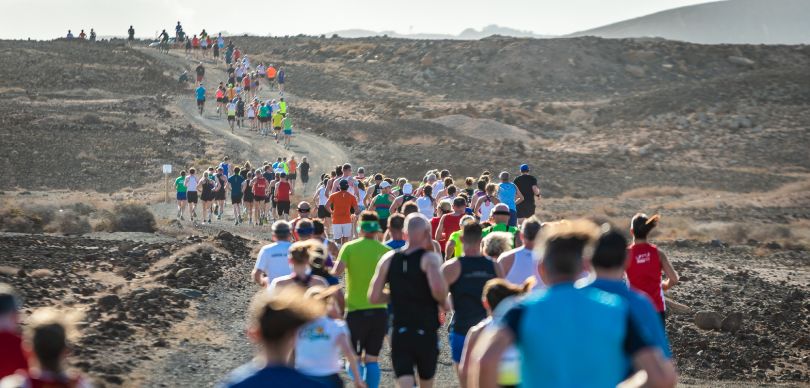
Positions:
(430, 264)
(338, 268)
(348, 352)
(377, 292)
(498, 270)
(518, 196)
(449, 249)
(487, 355)
(660, 372)
(505, 262)
(395, 205)
(258, 277)
(275, 191)
(466, 354)
(440, 229)
(669, 270)
(536, 191)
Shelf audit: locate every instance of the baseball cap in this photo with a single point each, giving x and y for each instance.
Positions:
(283, 175)
(524, 167)
(281, 228)
(407, 188)
(385, 185)
(344, 184)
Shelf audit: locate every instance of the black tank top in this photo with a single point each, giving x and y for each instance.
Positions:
(467, 290)
(412, 303)
(207, 187)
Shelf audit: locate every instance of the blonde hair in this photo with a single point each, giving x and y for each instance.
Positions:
(496, 243)
(49, 332)
(303, 252)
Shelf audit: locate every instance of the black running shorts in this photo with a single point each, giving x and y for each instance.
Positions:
(367, 330)
(322, 213)
(283, 207)
(414, 348)
(235, 199)
(192, 196)
(259, 198)
(219, 195)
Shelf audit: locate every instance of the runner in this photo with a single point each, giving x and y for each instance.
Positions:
(495, 244)
(130, 36)
(281, 78)
(182, 197)
(426, 202)
(259, 185)
(449, 223)
(200, 93)
(344, 173)
(92, 35)
(495, 291)
(200, 72)
(178, 31)
(416, 291)
(293, 174)
(264, 116)
(304, 213)
(283, 192)
(484, 205)
(321, 198)
(367, 321)
(206, 188)
(406, 196)
(220, 191)
(287, 125)
(501, 214)
(49, 335)
(164, 41)
(220, 95)
(276, 119)
(466, 277)
(271, 76)
(273, 324)
(231, 109)
(299, 256)
(191, 183)
(340, 205)
(520, 263)
(304, 170)
(272, 261)
(240, 111)
(609, 261)
(396, 233)
(215, 51)
(527, 185)
(562, 318)
(509, 195)
(235, 182)
(381, 204)
(321, 342)
(454, 247)
(646, 262)
(443, 208)
(13, 357)
(251, 115)
(247, 195)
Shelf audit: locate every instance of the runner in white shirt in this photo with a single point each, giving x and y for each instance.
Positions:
(321, 342)
(272, 260)
(520, 264)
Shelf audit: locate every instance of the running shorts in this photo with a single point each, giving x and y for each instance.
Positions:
(220, 195)
(367, 329)
(247, 88)
(288, 132)
(207, 197)
(322, 213)
(200, 102)
(199, 78)
(304, 178)
(181, 196)
(342, 230)
(283, 207)
(235, 199)
(291, 176)
(525, 210)
(456, 341)
(267, 199)
(262, 119)
(259, 198)
(384, 224)
(276, 128)
(192, 196)
(221, 99)
(414, 348)
(231, 118)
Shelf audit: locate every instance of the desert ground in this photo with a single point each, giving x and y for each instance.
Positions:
(715, 138)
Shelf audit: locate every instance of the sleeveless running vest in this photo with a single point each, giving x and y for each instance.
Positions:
(260, 187)
(644, 272)
(467, 290)
(283, 192)
(523, 267)
(411, 303)
(486, 208)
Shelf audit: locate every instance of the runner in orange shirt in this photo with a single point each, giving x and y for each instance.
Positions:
(342, 217)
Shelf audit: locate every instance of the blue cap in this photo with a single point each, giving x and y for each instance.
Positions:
(524, 167)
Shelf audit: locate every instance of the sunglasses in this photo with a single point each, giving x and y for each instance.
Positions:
(502, 213)
(303, 210)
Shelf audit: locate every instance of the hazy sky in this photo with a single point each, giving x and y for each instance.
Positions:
(45, 19)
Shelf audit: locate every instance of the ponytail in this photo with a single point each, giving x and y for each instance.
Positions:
(641, 225)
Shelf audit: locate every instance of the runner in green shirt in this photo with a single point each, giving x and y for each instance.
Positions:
(367, 322)
(382, 204)
(500, 215)
(180, 187)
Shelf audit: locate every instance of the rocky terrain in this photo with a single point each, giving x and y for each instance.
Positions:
(713, 137)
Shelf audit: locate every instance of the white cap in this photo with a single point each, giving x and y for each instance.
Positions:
(407, 188)
(385, 185)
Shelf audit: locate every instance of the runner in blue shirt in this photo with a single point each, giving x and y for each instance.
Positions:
(274, 322)
(570, 337)
(200, 93)
(509, 194)
(608, 262)
(235, 182)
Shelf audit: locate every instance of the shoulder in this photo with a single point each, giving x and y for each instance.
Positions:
(451, 264)
(242, 376)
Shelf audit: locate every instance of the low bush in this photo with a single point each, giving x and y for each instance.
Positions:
(128, 217)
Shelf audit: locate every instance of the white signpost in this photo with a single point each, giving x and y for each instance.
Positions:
(167, 169)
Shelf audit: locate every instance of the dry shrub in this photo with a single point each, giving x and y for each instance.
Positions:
(128, 217)
(69, 222)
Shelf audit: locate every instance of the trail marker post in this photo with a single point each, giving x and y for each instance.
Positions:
(167, 169)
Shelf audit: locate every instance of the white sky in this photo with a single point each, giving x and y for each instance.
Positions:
(46, 19)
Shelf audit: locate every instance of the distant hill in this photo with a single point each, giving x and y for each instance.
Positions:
(732, 21)
(467, 34)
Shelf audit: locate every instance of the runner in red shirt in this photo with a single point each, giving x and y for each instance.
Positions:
(449, 223)
(645, 263)
(283, 191)
(12, 356)
(259, 194)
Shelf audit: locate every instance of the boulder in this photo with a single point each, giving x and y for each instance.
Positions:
(184, 273)
(732, 322)
(708, 320)
(677, 308)
(742, 61)
(109, 302)
(635, 71)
